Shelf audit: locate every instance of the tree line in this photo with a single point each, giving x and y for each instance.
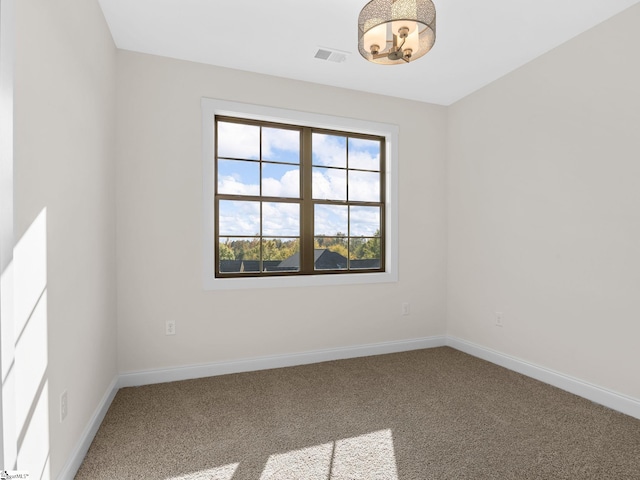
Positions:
(281, 249)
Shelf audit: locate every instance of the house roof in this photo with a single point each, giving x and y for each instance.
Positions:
(294, 260)
(324, 259)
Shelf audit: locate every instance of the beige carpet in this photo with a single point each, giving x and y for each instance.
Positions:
(427, 414)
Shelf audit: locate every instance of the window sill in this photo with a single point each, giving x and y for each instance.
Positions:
(298, 281)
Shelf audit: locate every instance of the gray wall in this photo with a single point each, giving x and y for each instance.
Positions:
(543, 209)
(64, 224)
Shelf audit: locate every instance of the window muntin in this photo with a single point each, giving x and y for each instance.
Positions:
(305, 200)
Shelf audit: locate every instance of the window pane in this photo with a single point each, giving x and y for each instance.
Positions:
(329, 150)
(329, 184)
(281, 145)
(331, 220)
(364, 222)
(330, 253)
(236, 140)
(364, 154)
(280, 180)
(281, 219)
(364, 253)
(364, 186)
(238, 178)
(238, 218)
(281, 255)
(239, 255)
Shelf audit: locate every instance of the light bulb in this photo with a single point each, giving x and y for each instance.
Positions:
(405, 11)
(376, 36)
(413, 42)
(398, 24)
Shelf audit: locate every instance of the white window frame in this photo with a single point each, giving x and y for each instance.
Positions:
(214, 107)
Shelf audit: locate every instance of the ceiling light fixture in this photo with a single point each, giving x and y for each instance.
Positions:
(396, 31)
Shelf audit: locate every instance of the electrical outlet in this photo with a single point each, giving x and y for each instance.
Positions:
(406, 308)
(499, 319)
(170, 327)
(64, 406)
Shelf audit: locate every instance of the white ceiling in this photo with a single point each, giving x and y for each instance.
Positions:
(477, 41)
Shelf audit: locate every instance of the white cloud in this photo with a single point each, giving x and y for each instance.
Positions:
(231, 185)
(287, 186)
(329, 184)
(287, 141)
(238, 141)
(331, 219)
(329, 150)
(239, 218)
(280, 219)
(243, 141)
(364, 186)
(364, 221)
(243, 218)
(364, 160)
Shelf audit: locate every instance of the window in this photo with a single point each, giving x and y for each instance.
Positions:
(296, 200)
(292, 198)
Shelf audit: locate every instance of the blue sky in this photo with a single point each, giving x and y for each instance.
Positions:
(278, 180)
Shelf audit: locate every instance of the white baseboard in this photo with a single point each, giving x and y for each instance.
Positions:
(616, 401)
(75, 460)
(148, 377)
(610, 399)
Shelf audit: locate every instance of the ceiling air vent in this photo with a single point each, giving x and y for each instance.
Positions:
(331, 54)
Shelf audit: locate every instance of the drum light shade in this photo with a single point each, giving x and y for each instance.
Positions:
(396, 31)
